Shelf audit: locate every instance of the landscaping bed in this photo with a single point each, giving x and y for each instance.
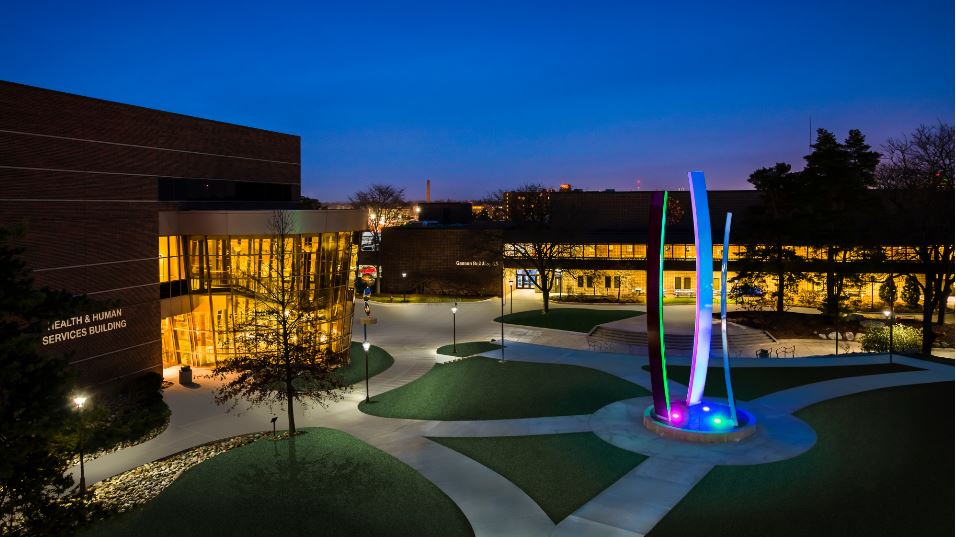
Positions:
(321, 482)
(571, 319)
(132, 414)
(882, 465)
(486, 389)
(560, 472)
(378, 361)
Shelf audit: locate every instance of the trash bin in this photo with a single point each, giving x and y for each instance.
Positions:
(185, 375)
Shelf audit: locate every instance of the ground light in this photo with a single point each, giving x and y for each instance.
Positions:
(79, 400)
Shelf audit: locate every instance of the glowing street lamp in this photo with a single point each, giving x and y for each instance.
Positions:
(454, 338)
(891, 315)
(404, 289)
(366, 346)
(512, 293)
(557, 273)
(79, 400)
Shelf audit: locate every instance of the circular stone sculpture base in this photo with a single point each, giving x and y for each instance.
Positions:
(695, 424)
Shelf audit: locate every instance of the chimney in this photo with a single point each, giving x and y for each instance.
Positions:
(428, 190)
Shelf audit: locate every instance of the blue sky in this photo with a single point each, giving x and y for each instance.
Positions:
(493, 94)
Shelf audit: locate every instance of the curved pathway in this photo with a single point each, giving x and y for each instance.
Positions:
(492, 504)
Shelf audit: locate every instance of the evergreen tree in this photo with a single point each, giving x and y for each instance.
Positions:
(34, 405)
(911, 291)
(888, 290)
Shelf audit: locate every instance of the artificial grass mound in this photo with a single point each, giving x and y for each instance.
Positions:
(572, 319)
(882, 465)
(753, 382)
(560, 472)
(466, 349)
(486, 389)
(378, 361)
(323, 482)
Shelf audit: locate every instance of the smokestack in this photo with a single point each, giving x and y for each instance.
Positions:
(428, 190)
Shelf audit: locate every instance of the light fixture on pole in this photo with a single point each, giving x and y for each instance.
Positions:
(366, 346)
(79, 400)
(404, 289)
(502, 317)
(891, 315)
(454, 337)
(512, 294)
(557, 273)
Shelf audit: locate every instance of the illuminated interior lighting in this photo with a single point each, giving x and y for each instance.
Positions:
(706, 409)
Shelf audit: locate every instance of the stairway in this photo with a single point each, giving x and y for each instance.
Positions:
(739, 338)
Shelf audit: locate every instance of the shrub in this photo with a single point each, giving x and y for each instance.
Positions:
(888, 291)
(911, 291)
(905, 339)
(808, 298)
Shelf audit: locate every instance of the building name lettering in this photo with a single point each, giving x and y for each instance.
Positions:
(473, 264)
(85, 325)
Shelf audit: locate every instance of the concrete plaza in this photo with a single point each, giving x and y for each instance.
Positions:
(492, 504)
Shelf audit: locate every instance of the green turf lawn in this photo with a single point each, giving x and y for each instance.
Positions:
(469, 348)
(378, 361)
(324, 482)
(486, 389)
(753, 382)
(560, 472)
(882, 465)
(573, 319)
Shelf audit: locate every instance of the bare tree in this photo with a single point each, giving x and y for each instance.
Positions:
(920, 166)
(531, 240)
(279, 354)
(385, 205)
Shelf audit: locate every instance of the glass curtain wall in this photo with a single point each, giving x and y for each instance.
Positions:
(226, 277)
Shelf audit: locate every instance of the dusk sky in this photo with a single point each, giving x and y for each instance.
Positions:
(490, 95)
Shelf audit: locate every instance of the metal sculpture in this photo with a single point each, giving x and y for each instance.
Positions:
(723, 320)
(655, 305)
(705, 287)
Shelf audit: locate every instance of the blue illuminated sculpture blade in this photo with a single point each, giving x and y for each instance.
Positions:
(705, 287)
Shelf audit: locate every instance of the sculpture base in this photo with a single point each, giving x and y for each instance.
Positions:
(708, 422)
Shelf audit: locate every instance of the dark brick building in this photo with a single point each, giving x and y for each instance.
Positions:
(86, 180)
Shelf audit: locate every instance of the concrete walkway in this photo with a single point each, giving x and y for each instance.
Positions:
(492, 504)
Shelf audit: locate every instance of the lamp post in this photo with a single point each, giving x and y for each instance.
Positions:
(454, 337)
(891, 315)
(511, 293)
(404, 289)
(557, 273)
(79, 400)
(366, 346)
(502, 319)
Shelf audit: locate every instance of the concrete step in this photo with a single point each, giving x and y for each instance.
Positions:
(740, 337)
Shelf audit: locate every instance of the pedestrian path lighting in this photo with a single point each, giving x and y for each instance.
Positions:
(454, 338)
(891, 315)
(404, 289)
(273, 421)
(366, 346)
(557, 278)
(512, 293)
(79, 401)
